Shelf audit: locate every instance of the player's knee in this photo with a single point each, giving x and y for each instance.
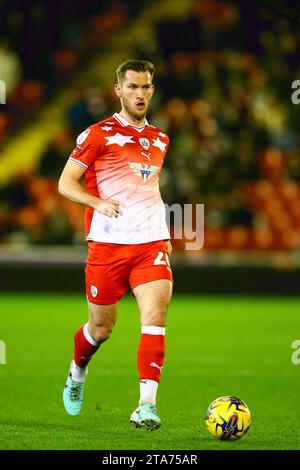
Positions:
(155, 316)
(101, 333)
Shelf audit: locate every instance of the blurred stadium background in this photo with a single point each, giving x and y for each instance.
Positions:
(223, 94)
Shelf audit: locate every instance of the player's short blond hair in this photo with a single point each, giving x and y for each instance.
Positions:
(136, 66)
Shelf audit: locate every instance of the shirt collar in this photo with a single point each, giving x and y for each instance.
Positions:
(125, 123)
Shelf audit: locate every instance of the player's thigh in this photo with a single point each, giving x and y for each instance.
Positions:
(102, 316)
(106, 273)
(153, 299)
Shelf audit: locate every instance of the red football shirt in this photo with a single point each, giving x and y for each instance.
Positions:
(123, 162)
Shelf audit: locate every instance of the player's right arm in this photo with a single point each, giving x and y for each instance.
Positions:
(88, 147)
(70, 187)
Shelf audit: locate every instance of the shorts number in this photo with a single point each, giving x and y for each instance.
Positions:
(159, 259)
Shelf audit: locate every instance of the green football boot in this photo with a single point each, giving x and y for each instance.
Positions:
(73, 396)
(146, 416)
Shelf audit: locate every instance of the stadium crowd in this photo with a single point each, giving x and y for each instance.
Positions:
(223, 95)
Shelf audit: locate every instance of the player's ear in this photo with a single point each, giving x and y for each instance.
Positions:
(117, 88)
(152, 89)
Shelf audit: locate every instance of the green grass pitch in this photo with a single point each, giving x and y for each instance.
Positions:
(215, 346)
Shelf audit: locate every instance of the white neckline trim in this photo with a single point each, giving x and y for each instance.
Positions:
(126, 123)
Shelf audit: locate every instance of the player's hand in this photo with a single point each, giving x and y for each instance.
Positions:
(109, 207)
(169, 247)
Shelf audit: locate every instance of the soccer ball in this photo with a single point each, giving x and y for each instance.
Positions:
(228, 418)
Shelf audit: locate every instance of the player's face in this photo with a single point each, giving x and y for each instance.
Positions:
(135, 93)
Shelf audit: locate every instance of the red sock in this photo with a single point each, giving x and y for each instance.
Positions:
(85, 347)
(151, 354)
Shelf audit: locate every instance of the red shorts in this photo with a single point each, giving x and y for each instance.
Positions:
(110, 266)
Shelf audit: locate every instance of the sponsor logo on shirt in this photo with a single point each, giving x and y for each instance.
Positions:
(143, 170)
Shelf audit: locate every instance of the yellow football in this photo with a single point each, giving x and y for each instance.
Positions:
(228, 418)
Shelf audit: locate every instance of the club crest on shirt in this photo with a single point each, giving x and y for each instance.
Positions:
(82, 137)
(144, 143)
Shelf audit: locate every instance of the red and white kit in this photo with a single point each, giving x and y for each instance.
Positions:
(123, 162)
